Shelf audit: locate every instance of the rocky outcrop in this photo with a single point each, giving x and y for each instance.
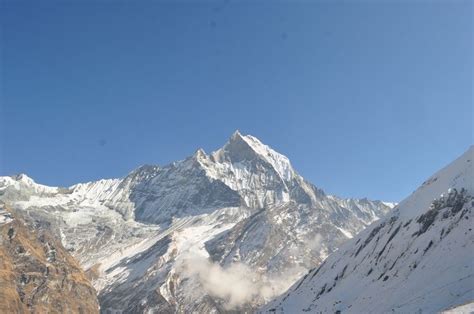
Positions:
(37, 275)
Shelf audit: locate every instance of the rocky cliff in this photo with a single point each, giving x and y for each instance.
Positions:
(37, 275)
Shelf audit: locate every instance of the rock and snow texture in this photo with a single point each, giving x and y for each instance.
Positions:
(5, 216)
(37, 275)
(419, 258)
(241, 213)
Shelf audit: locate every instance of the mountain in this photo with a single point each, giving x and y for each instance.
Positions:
(214, 232)
(418, 259)
(37, 275)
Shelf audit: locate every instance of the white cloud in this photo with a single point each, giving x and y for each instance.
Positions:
(236, 284)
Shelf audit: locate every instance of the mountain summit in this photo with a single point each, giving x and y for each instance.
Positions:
(155, 239)
(244, 148)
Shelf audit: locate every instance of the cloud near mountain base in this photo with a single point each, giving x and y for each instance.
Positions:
(236, 284)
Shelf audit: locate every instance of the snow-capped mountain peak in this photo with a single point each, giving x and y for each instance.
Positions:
(242, 206)
(24, 182)
(240, 148)
(200, 153)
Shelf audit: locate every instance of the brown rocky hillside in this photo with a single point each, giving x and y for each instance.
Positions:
(37, 275)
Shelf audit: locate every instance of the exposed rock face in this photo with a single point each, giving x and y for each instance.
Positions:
(37, 275)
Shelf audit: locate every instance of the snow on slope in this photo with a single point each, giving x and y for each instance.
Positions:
(229, 209)
(279, 162)
(5, 216)
(461, 309)
(417, 259)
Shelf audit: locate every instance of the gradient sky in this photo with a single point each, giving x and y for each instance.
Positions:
(366, 98)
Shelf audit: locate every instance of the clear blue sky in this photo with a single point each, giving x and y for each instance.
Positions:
(366, 98)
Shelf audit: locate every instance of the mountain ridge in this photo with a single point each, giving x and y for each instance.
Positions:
(222, 211)
(416, 259)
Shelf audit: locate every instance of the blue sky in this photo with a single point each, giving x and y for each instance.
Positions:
(366, 98)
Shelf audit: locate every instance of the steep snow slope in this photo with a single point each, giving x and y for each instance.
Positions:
(140, 236)
(467, 308)
(417, 259)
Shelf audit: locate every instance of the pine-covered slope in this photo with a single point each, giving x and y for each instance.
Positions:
(419, 258)
(241, 213)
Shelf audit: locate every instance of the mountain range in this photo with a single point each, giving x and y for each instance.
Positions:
(219, 232)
